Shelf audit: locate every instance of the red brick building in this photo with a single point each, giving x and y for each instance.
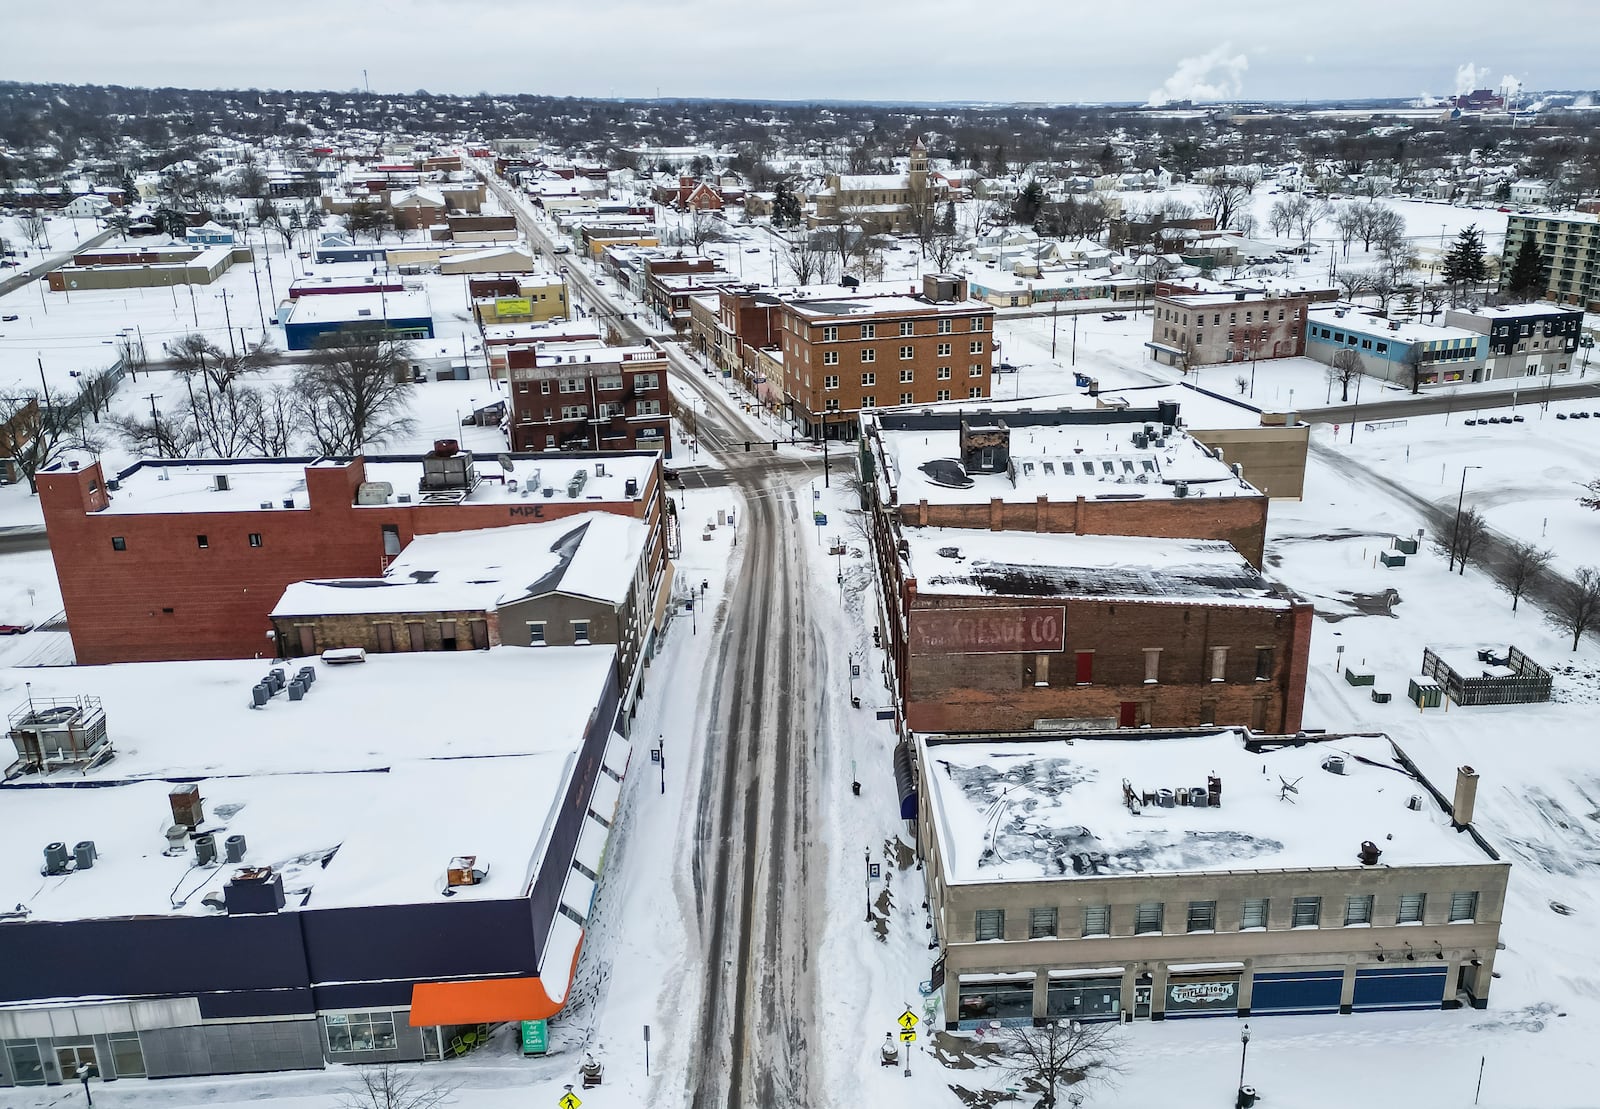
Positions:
(1011, 632)
(588, 397)
(185, 559)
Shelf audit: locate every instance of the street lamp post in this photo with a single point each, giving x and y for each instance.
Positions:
(1244, 1051)
(1456, 530)
(867, 855)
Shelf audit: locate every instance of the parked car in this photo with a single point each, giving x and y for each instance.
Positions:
(1108, 316)
(15, 629)
(12, 318)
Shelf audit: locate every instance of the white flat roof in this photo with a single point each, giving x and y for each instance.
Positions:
(349, 307)
(1064, 462)
(1016, 809)
(191, 486)
(359, 794)
(1409, 331)
(973, 563)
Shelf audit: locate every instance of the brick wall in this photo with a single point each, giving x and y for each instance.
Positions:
(999, 692)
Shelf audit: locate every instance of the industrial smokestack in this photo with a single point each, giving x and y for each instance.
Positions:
(1466, 795)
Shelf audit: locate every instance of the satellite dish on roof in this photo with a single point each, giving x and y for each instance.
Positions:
(506, 464)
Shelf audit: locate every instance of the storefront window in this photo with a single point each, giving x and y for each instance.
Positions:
(27, 1068)
(126, 1055)
(359, 1032)
(1008, 1002)
(1084, 998)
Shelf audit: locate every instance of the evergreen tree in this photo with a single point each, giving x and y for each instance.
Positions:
(1464, 266)
(780, 205)
(1028, 202)
(997, 168)
(947, 222)
(130, 191)
(1526, 278)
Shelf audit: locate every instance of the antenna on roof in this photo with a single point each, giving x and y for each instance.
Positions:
(1288, 788)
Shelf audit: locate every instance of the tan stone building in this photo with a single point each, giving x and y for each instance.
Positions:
(1202, 873)
(880, 201)
(1244, 326)
(876, 346)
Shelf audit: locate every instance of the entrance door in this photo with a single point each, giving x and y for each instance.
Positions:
(386, 637)
(480, 635)
(74, 1060)
(308, 640)
(1128, 716)
(418, 643)
(1143, 991)
(1085, 668)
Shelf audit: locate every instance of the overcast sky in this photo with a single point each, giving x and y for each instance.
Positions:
(1060, 50)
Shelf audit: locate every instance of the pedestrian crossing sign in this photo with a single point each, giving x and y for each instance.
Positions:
(570, 1100)
(908, 1020)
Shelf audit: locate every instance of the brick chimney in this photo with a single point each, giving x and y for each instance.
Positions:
(1466, 795)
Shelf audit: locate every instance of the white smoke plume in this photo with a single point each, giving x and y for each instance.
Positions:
(1510, 87)
(1469, 77)
(1215, 75)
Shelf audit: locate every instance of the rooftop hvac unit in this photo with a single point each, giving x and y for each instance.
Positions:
(307, 675)
(1369, 853)
(55, 859)
(579, 480)
(266, 504)
(233, 848)
(599, 469)
(205, 849)
(297, 690)
(84, 854)
(187, 808)
(260, 694)
(1180, 489)
(1166, 799)
(254, 889)
(1334, 764)
(1198, 797)
(630, 488)
(288, 502)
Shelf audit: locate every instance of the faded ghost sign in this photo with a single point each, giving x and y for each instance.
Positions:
(983, 631)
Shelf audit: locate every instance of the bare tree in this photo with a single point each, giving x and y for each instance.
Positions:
(1592, 497)
(36, 431)
(942, 247)
(1577, 604)
(1352, 282)
(1470, 527)
(1433, 296)
(354, 393)
(390, 1087)
(809, 261)
(1225, 201)
(171, 436)
(32, 225)
(700, 228)
(119, 222)
(1524, 564)
(194, 354)
(1061, 1054)
(271, 420)
(1345, 368)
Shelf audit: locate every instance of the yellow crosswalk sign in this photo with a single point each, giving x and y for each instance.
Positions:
(908, 1020)
(908, 1036)
(570, 1100)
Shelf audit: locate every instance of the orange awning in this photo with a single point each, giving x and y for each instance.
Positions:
(487, 1000)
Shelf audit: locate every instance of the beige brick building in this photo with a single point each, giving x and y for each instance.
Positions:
(1199, 873)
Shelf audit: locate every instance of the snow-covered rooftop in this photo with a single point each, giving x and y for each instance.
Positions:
(1011, 809)
(593, 554)
(1092, 460)
(348, 307)
(968, 562)
(359, 794)
(1408, 331)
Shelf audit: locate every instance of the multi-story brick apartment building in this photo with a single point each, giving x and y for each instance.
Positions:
(1244, 326)
(184, 559)
(583, 397)
(1200, 873)
(1570, 247)
(881, 346)
(1525, 340)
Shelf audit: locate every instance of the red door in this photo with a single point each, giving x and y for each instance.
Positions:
(1085, 667)
(1129, 716)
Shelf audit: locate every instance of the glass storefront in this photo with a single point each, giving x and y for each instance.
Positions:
(26, 1064)
(1084, 999)
(360, 1032)
(1006, 1002)
(126, 1055)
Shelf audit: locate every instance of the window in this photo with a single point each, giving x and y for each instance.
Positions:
(1097, 920)
(869, 331)
(647, 408)
(1219, 664)
(830, 358)
(905, 398)
(907, 327)
(1463, 906)
(1358, 909)
(1152, 665)
(977, 323)
(869, 379)
(572, 385)
(975, 392)
(580, 631)
(991, 924)
(202, 542)
(976, 346)
(609, 384)
(946, 326)
(1041, 923)
(574, 411)
(943, 394)
(831, 381)
(868, 400)
(944, 350)
(906, 376)
(1253, 914)
(1307, 912)
(119, 543)
(359, 1032)
(1263, 664)
(975, 370)
(868, 354)
(1411, 906)
(126, 1055)
(544, 387)
(255, 539)
(830, 334)
(536, 633)
(1147, 917)
(907, 353)
(646, 381)
(943, 374)
(1202, 916)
